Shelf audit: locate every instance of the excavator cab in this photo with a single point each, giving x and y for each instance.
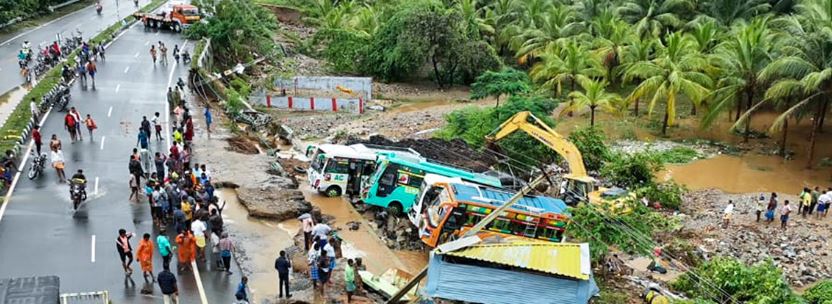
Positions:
(576, 190)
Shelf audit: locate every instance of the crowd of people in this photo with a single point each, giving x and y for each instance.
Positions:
(813, 202)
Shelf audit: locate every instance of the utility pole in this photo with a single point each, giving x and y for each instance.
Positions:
(473, 231)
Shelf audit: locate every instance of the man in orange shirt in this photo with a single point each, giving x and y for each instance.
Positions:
(145, 256)
(187, 249)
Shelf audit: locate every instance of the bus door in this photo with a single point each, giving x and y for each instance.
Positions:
(357, 172)
(388, 181)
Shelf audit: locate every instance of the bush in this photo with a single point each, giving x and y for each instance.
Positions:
(668, 194)
(590, 141)
(631, 171)
(760, 283)
(631, 232)
(676, 155)
(343, 49)
(820, 293)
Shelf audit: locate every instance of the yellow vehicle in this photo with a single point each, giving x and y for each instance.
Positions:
(579, 186)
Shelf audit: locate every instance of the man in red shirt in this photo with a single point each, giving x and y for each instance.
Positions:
(69, 125)
(36, 137)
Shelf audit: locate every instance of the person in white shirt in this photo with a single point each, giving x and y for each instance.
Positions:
(198, 228)
(321, 230)
(727, 214)
(308, 224)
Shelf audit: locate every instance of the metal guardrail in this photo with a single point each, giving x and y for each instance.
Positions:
(95, 297)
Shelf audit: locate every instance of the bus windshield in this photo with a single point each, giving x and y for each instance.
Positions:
(318, 161)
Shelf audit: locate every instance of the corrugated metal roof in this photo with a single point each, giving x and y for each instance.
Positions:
(565, 259)
(498, 197)
(475, 284)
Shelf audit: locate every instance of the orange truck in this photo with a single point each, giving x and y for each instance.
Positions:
(175, 17)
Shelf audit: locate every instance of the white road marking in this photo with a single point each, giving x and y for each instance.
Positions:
(8, 198)
(41, 26)
(102, 142)
(92, 249)
(96, 186)
(127, 69)
(199, 286)
(118, 86)
(110, 112)
(146, 42)
(137, 55)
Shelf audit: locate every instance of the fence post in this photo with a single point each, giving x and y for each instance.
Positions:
(360, 105)
(312, 103)
(334, 105)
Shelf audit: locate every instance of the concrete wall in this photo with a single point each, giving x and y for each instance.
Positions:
(360, 85)
(321, 103)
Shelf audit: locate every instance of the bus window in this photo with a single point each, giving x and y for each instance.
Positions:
(337, 166)
(387, 182)
(473, 218)
(318, 161)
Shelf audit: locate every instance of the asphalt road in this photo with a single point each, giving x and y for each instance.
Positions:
(86, 20)
(41, 235)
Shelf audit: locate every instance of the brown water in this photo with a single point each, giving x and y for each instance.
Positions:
(750, 172)
(363, 242)
(270, 236)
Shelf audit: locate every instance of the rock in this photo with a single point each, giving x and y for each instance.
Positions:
(273, 202)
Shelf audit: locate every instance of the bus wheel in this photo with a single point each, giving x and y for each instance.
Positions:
(333, 191)
(394, 209)
(176, 27)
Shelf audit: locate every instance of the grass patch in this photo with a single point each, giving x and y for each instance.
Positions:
(677, 155)
(20, 117)
(198, 49)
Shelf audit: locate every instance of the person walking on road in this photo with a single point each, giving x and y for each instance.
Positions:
(226, 249)
(784, 214)
(125, 251)
(157, 125)
(90, 123)
(145, 125)
(142, 139)
(164, 248)
(55, 143)
(77, 116)
(167, 283)
(164, 52)
(282, 265)
(36, 138)
(153, 53)
(58, 162)
(349, 279)
(92, 69)
(187, 249)
(209, 119)
(69, 125)
(198, 229)
(159, 162)
(144, 254)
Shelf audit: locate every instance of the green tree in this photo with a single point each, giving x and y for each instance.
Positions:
(654, 17)
(593, 96)
(677, 70)
(740, 59)
(559, 64)
(495, 84)
(726, 12)
(612, 36)
(638, 50)
(554, 26)
(238, 29)
(592, 144)
(732, 281)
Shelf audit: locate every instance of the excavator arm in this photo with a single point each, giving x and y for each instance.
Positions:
(543, 133)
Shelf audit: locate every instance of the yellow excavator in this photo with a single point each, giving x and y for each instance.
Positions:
(579, 187)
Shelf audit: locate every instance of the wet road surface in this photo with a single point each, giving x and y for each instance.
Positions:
(41, 235)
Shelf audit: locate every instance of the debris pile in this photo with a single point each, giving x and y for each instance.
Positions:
(397, 233)
(800, 251)
(242, 145)
(454, 152)
(273, 202)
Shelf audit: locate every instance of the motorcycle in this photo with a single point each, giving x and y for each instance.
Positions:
(77, 193)
(38, 162)
(186, 57)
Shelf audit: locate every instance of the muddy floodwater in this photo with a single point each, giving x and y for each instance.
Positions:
(263, 241)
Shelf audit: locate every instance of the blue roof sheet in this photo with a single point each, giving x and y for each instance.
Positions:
(497, 197)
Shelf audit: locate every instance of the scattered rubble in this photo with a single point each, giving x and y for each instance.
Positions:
(800, 251)
(242, 145)
(704, 149)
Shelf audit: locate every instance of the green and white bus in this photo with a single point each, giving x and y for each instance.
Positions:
(397, 180)
(338, 169)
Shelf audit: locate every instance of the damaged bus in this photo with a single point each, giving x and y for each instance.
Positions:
(340, 169)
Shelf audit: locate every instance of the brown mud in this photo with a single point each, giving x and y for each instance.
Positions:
(454, 152)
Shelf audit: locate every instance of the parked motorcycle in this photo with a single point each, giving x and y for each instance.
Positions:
(38, 162)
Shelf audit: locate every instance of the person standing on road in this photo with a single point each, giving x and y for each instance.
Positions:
(187, 249)
(90, 125)
(145, 125)
(36, 138)
(308, 224)
(784, 214)
(198, 228)
(209, 119)
(226, 249)
(164, 248)
(92, 69)
(57, 157)
(282, 265)
(824, 201)
(77, 116)
(167, 283)
(153, 53)
(69, 125)
(144, 254)
(55, 143)
(157, 125)
(125, 251)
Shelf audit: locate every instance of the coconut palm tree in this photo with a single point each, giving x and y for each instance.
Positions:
(500, 15)
(726, 12)
(806, 60)
(562, 63)
(557, 23)
(474, 25)
(676, 70)
(594, 95)
(612, 35)
(740, 59)
(653, 17)
(636, 51)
